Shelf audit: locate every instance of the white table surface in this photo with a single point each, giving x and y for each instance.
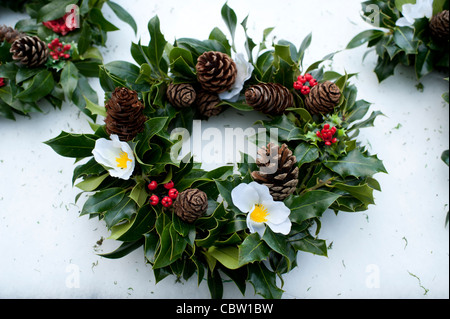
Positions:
(399, 248)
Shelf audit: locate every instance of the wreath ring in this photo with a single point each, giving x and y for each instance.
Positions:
(248, 221)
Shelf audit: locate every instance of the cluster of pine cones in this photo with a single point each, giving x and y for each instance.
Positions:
(216, 73)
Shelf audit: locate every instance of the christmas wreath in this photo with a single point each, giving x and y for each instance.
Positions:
(409, 32)
(246, 222)
(49, 55)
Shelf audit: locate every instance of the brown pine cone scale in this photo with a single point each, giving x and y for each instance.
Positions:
(124, 114)
(207, 104)
(278, 170)
(323, 98)
(191, 204)
(9, 34)
(181, 95)
(30, 51)
(269, 98)
(439, 25)
(216, 71)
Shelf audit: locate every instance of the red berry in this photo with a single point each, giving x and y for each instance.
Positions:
(305, 90)
(313, 83)
(308, 77)
(152, 185)
(326, 126)
(173, 193)
(333, 130)
(301, 79)
(67, 47)
(169, 185)
(334, 140)
(298, 85)
(154, 200)
(66, 56)
(327, 143)
(166, 201)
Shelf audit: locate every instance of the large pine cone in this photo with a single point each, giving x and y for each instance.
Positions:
(125, 114)
(30, 51)
(207, 104)
(439, 26)
(191, 204)
(181, 95)
(216, 71)
(269, 98)
(9, 34)
(278, 170)
(323, 98)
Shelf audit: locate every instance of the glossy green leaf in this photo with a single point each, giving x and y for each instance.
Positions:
(229, 16)
(53, 10)
(41, 85)
(306, 153)
(311, 245)
(264, 281)
(363, 192)
(123, 15)
(69, 79)
(356, 164)
(364, 37)
(124, 249)
(309, 205)
(157, 42)
(73, 145)
(253, 249)
(227, 256)
(404, 38)
(103, 201)
(91, 183)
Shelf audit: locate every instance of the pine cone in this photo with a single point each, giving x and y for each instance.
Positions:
(181, 95)
(9, 34)
(323, 98)
(278, 170)
(207, 102)
(30, 51)
(125, 114)
(439, 25)
(269, 98)
(191, 204)
(216, 71)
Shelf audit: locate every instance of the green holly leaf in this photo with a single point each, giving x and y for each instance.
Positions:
(264, 281)
(309, 205)
(356, 164)
(73, 145)
(253, 249)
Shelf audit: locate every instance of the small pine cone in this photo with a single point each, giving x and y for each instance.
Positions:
(269, 98)
(30, 51)
(439, 25)
(216, 71)
(9, 34)
(181, 95)
(191, 204)
(278, 170)
(124, 114)
(207, 104)
(323, 98)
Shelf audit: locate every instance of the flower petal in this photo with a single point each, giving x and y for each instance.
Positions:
(263, 192)
(278, 212)
(244, 197)
(244, 72)
(255, 227)
(283, 228)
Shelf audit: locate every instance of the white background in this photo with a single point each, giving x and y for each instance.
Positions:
(397, 249)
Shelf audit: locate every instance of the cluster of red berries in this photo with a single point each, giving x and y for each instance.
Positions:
(300, 84)
(61, 25)
(2, 82)
(167, 200)
(59, 50)
(326, 134)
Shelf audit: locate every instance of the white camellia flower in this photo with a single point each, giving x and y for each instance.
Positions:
(255, 199)
(411, 12)
(116, 156)
(244, 72)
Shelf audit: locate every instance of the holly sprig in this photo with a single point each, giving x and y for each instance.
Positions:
(65, 78)
(401, 45)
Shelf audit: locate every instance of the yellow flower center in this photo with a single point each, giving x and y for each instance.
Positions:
(259, 214)
(123, 160)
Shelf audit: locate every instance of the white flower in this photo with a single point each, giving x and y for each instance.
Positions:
(116, 156)
(244, 72)
(411, 12)
(255, 199)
